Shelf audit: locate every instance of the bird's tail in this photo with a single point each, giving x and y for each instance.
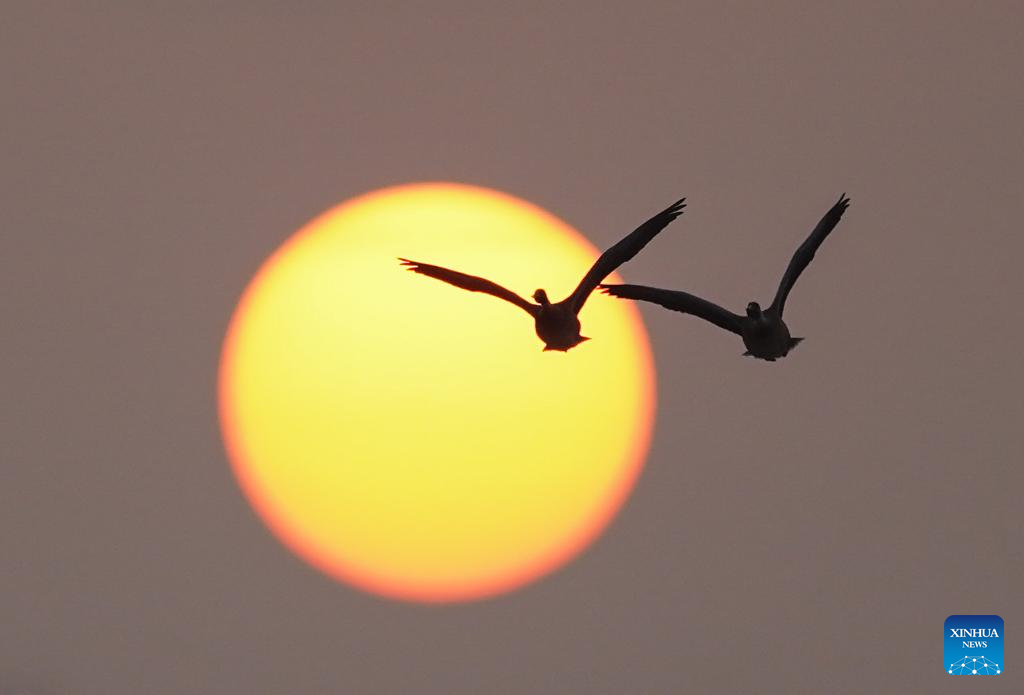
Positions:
(793, 342)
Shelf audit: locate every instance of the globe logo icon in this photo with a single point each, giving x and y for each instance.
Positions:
(974, 665)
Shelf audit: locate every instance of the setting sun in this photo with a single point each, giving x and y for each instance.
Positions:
(411, 438)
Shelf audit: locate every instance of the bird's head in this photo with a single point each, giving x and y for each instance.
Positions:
(541, 297)
(754, 310)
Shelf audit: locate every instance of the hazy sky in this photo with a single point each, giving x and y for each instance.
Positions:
(800, 527)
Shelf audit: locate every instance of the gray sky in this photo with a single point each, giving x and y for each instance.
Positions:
(804, 526)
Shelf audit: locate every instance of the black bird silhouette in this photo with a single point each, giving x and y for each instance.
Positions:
(557, 324)
(764, 333)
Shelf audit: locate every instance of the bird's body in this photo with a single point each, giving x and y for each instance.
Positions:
(765, 335)
(557, 324)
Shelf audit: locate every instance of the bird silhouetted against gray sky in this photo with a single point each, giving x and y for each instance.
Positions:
(764, 332)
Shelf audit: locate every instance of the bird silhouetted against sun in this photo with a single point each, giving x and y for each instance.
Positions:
(558, 324)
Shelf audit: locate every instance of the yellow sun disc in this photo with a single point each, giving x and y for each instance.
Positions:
(411, 438)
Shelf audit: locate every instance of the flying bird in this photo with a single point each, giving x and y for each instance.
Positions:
(764, 333)
(557, 324)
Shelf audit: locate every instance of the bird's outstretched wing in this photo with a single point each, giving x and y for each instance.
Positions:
(680, 301)
(469, 282)
(805, 254)
(623, 251)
